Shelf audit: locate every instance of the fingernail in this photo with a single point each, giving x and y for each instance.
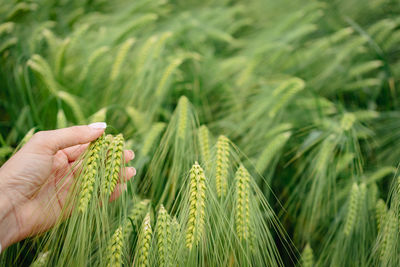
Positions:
(98, 125)
(132, 154)
(134, 171)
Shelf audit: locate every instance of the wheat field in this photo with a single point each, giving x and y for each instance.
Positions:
(266, 133)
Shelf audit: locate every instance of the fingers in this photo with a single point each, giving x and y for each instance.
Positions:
(129, 173)
(119, 189)
(128, 155)
(49, 142)
(74, 152)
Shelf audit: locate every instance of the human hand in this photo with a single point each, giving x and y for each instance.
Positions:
(34, 182)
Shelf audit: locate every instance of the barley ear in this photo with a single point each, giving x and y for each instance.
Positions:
(204, 142)
(114, 163)
(381, 211)
(352, 210)
(307, 257)
(90, 173)
(41, 260)
(164, 238)
(115, 248)
(144, 243)
(197, 196)
(183, 107)
(389, 236)
(221, 176)
(242, 214)
(151, 137)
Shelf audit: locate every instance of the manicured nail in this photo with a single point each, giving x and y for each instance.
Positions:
(98, 125)
(131, 154)
(134, 171)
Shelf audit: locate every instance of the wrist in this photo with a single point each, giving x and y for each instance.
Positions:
(8, 223)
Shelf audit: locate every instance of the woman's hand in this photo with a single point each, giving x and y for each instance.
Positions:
(34, 182)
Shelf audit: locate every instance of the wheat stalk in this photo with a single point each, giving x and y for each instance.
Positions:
(197, 196)
(144, 242)
(115, 248)
(352, 209)
(204, 142)
(242, 214)
(221, 176)
(113, 164)
(90, 173)
(307, 257)
(164, 237)
(183, 106)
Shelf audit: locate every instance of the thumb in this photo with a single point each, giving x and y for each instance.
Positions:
(52, 141)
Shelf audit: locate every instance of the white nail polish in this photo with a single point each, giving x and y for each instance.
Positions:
(98, 125)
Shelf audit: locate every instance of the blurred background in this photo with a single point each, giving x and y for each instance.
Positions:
(308, 91)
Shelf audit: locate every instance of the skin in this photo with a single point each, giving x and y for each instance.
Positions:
(39, 175)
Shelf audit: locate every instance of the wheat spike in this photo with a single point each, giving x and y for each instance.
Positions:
(204, 142)
(152, 136)
(90, 173)
(135, 216)
(183, 116)
(221, 175)
(115, 249)
(197, 196)
(381, 211)
(389, 235)
(41, 260)
(164, 238)
(119, 59)
(113, 164)
(270, 151)
(307, 257)
(166, 75)
(99, 52)
(242, 214)
(144, 242)
(352, 209)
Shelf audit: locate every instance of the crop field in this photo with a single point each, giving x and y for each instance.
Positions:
(266, 133)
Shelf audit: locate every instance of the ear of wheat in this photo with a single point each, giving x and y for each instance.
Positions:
(136, 216)
(115, 248)
(197, 196)
(352, 209)
(164, 237)
(90, 173)
(389, 236)
(381, 211)
(152, 136)
(242, 209)
(144, 243)
(41, 260)
(113, 164)
(182, 116)
(204, 142)
(307, 257)
(119, 59)
(221, 175)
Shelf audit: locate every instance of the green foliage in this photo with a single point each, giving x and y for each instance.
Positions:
(293, 163)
